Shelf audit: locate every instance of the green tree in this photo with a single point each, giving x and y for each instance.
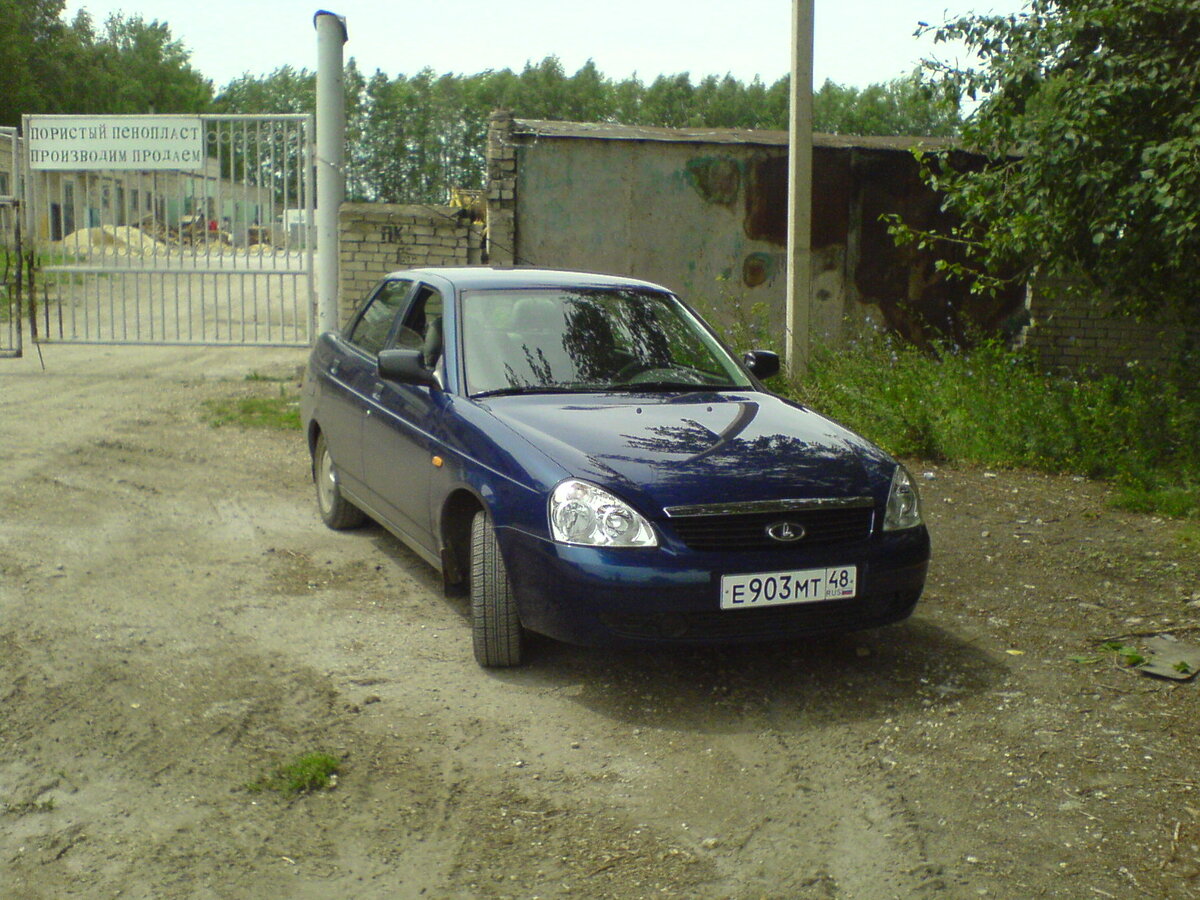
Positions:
(903, 106)
(589, 95)
(136, 66)
(411, 139)
(627, 98)
(1089, 114)
(286, 90)
(129, 66)
(723, 103)
(668, 102)
(544, 90)
(32, 37)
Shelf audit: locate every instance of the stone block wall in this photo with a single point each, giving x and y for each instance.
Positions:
(377, 238)
(1074, 333)
(502, 189)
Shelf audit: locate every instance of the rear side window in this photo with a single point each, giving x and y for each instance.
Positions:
(373, 324)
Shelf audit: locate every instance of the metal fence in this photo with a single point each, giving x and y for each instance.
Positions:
(220, 253)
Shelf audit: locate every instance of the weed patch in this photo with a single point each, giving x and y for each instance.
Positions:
(28, 806)
(1189, 539)
(1117, 652)
(279, 411)
(303, 774)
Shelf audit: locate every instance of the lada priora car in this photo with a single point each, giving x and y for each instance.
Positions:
(583, 456)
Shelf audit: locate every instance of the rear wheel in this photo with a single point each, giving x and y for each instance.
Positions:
(496, 631)
(336, 511)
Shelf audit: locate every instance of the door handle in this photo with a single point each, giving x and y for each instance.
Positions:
(377, 392)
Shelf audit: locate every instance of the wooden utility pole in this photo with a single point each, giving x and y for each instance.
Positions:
(799, 233)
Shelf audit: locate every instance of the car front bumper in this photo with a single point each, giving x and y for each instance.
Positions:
(592, 596)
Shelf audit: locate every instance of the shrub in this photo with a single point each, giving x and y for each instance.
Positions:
(991, 406)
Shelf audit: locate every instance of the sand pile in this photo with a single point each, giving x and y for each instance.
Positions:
(109, 240)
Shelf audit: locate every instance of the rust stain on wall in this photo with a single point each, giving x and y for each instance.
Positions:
(757, 269)
(717, 179)
(916, 299)
(767, 198)
(852, 189)
(854, 256)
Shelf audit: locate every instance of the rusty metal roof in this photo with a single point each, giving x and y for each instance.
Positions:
(611, 132)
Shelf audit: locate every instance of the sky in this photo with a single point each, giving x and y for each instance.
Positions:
(856, 42)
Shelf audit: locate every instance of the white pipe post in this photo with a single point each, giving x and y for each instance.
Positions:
(799, 232)
(331, 156)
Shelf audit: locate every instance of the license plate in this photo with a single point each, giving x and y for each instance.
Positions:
(780, 588)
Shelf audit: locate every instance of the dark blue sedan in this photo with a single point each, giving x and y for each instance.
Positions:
(582, 455)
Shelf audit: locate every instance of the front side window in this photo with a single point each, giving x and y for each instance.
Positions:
(588, 340)
(422, 326)
(373, 324)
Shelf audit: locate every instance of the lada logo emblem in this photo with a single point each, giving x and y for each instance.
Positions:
(785, 532)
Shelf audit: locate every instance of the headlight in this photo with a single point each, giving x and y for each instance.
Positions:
(903, 506)
(581, 513)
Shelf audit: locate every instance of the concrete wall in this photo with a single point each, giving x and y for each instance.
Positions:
(666, 212)
(703, 211)
(377, 238)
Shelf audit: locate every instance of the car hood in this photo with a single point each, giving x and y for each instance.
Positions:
(675, 450)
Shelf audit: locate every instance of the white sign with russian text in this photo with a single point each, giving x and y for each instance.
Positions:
(134, 143)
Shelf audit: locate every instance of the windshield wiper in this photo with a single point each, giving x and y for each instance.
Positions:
(641, 387)
(529, 389)
(655, 386)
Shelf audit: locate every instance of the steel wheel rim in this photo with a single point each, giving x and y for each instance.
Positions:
(326, 482)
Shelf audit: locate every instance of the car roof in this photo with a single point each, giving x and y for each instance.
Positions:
(502, 277)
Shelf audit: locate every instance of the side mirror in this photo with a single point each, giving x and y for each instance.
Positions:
(405, 366)
(762, 363)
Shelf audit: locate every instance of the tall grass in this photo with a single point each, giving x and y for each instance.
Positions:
(991, 406)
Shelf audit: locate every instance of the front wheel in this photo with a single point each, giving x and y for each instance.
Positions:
(496, 632)
(336, 511)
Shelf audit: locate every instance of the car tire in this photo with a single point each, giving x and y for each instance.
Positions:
(496, 632)
(336, 511)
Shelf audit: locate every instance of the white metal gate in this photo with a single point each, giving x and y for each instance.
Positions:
(10, 247)
(134, 249)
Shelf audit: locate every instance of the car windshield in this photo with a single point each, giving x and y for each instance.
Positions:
(539, 340)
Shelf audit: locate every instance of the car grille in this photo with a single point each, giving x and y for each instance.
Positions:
(748, 531)
(768, 623)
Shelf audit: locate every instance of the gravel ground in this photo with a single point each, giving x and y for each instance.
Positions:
(174, 621)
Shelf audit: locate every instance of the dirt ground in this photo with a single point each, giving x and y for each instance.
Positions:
(175, 620)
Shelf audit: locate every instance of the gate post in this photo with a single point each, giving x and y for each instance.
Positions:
(12, 259)
(331, 154)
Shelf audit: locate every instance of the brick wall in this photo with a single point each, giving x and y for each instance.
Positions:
(377, 238)
(502, 188)
(1074, 333)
